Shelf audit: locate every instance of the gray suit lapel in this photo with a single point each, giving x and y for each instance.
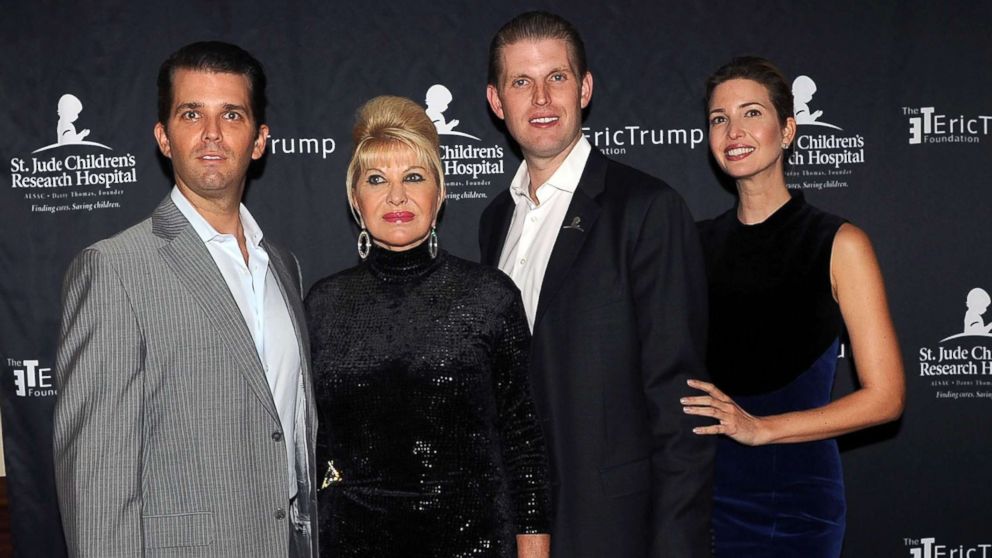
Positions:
(189, 259)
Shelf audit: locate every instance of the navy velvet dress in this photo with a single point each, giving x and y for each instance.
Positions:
(774, 330)
(428, 444)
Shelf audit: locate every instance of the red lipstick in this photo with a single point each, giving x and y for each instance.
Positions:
(398, 217)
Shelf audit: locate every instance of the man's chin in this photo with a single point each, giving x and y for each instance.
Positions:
(211, 185)
(545, 150)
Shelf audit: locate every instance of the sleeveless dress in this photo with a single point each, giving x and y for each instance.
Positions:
(774, 339)
(428, 444)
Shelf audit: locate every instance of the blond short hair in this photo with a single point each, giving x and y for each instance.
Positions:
(383, 125)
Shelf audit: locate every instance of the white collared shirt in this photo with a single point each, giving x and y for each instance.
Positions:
(264, 310)
(534, 227)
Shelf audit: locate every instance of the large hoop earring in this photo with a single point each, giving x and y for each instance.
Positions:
(432, 243)
(364, 244)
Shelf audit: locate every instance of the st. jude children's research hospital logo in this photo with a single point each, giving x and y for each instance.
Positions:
(74, 173)
(960, 365)
(468, 165)
(824, 154)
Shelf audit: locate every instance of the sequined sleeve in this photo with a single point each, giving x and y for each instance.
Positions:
(524, 451)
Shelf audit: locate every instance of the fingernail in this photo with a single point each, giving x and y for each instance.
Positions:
(683, 401)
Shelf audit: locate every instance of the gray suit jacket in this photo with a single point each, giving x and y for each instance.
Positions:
(167, 441)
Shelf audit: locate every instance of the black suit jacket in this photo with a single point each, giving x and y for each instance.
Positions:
(620, 326)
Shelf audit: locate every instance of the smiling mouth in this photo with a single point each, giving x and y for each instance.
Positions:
(396, 217)
(544, 120)
(738, 153)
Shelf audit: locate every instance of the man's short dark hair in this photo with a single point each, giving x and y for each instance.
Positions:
(536, 26)
(216, 57)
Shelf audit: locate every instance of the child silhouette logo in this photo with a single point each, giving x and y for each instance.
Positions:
(438, 98)
(977, 302)
(803, 88)
(68, 110)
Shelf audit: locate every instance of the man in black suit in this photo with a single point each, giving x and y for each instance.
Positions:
(609, 265)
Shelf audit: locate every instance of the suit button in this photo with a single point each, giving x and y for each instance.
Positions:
(280, 513)
(277, 436)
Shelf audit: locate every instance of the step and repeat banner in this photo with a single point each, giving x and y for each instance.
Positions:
(896, 137)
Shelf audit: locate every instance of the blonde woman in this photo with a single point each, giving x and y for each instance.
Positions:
(428, 436)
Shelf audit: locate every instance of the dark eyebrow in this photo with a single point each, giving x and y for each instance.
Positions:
(740, 106)
(194, 105)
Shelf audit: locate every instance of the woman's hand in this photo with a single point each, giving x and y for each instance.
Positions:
(534, 546)
(734, 421)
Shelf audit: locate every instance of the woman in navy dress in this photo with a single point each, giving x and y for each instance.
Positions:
(784, 279)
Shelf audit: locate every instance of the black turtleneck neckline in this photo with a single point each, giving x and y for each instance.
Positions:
(391, 265)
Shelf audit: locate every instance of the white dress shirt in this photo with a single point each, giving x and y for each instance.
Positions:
(264, 309)
(534, 227)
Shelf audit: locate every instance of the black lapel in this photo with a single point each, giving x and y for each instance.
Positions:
(576, 227)
(502, 215)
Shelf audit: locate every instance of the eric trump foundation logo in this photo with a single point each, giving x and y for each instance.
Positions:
(926, 125)
(825, 155)
(31, 379)
(928, 547)
(74, 173)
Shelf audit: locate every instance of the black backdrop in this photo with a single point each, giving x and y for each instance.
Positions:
(899, 148)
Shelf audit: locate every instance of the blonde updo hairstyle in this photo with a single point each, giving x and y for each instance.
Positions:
(384, 125)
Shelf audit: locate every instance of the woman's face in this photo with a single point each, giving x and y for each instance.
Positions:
(397, 199)
(746, 137)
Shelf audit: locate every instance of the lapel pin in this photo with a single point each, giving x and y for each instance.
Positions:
(576, 224)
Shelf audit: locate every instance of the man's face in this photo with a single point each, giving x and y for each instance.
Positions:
(540, 98)
(211, 135)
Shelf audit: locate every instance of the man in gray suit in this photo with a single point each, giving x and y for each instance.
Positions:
(185, 422)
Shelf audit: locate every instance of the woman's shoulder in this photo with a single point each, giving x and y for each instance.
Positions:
(823, 219)
(483, 278)
(850, 242)
(333, 284)
(717, 227)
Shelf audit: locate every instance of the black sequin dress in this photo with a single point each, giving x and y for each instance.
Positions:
(425, 410)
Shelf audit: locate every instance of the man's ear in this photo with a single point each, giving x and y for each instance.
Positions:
(260, 140)
(585, 93)
(495, 103)
(162, 139)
